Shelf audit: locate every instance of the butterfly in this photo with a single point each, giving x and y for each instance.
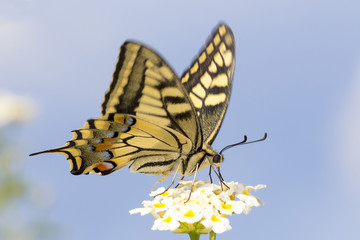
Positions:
(152, 120)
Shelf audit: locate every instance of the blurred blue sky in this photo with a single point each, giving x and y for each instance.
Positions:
(297, 77)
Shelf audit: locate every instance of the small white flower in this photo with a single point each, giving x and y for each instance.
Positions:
(162, 204)
(158, 191)
(190, 213)
(249, 200)
(229, 207)
(142, 211)
(205, 211)
(214, 221)
(168, 222)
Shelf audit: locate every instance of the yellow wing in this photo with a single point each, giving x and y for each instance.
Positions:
(145, 86)
(113, 141)
(209, 81)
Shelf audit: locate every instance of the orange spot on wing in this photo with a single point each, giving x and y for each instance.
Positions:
(104, 166)
(119, 118)
(101, 147)
(109, 140)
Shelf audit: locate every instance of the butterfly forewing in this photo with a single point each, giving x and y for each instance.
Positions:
(209, 80)
(144, 85)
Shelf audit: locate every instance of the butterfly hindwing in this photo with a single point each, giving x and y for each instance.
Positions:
(113, 141)
(209, 81)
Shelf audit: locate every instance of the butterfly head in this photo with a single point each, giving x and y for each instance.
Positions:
(217, 159)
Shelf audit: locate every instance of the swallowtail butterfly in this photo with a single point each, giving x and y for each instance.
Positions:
(152, 120)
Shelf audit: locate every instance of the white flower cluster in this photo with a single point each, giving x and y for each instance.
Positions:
(15, 109)
(206, 209)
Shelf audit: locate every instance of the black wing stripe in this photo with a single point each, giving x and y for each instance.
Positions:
(132, 86)
(115, 76)
(155, 164)
(124, 67)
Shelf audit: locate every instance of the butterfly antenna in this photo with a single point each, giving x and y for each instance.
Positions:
(210, 175)
(221, 177)
(243, 142)
(222, 180)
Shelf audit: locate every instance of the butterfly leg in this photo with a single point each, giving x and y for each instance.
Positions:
(222, 181)
(218, 174)
(172, 181)
(210, 175)
(182, 178)
(193, 182)
(165, 175)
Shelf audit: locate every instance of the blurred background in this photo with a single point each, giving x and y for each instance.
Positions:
(297, 77)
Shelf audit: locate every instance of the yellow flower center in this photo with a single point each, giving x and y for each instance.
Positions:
(189, 214)
(159, 205)
(226, 206)
(167, 220)
(246, 193)
(164, 194)
(215, 218)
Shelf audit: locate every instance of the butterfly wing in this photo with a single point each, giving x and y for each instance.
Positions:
(113, 141)
(145, 86)
(209, 81)
(147, 91)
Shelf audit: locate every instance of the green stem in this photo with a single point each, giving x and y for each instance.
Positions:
(194, 235)
(212, 236)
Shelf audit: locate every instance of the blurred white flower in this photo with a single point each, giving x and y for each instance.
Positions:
(15, 109)
(205, 211)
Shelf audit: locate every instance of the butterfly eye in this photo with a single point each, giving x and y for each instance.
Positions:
(217, 158)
